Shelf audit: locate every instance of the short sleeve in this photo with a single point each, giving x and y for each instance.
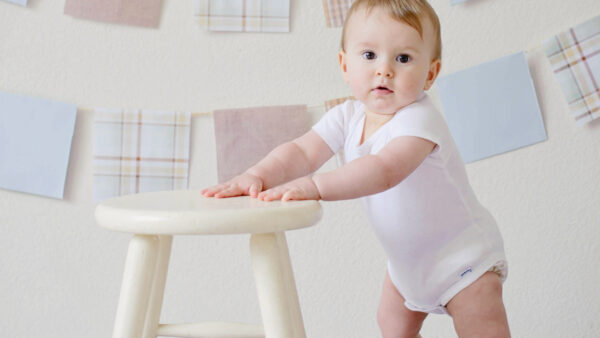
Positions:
(332, 126)
(421, 120)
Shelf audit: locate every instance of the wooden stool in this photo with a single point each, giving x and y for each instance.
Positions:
(154, 218)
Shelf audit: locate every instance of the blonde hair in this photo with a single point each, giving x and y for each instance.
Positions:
(410, 12)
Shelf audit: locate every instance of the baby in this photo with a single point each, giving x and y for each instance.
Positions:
(445, 253)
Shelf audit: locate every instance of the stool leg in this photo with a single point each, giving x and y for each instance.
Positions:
(158, 286)
(136, 286)
(277, 295)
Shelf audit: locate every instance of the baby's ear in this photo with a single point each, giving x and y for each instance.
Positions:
(434, 71)
(342, 62)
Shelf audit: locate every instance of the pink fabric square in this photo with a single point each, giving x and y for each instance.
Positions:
(145, 13)
(245, 136)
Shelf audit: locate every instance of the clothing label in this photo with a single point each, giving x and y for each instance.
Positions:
(466, 272)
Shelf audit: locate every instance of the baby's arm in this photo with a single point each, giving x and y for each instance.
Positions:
(375, 173)
(286, 162)
(364, 176)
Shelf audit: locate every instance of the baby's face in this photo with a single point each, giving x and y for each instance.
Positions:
(386, 62)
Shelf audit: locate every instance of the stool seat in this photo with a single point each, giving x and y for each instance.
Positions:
(188, 212)
(154, 218)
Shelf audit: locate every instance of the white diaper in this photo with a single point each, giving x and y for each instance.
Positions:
(434, 300)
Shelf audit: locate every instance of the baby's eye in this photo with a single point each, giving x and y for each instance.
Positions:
(403, 58)
(368, 55)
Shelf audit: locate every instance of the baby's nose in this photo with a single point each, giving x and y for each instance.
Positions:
(385, 71)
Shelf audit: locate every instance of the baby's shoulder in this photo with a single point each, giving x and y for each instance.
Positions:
(421, 108)
(419, 116)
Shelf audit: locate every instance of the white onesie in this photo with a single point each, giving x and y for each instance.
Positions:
(438, 237)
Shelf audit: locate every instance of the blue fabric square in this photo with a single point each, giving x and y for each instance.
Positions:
(492, 108)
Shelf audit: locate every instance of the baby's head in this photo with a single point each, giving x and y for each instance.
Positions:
(391, 52)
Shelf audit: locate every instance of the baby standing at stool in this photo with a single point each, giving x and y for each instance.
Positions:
(445, 252)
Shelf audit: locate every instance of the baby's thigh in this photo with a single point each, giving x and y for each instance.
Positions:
(394, 319)
(478, 310)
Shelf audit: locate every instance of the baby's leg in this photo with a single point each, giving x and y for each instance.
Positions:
(478, 310)
(395, 320)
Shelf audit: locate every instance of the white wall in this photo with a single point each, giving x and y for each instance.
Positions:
(60, 274)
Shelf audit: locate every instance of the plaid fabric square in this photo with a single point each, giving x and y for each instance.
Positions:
(575, 58)
(244, 15)
(140, 151)
(334, 102)
(335, 11)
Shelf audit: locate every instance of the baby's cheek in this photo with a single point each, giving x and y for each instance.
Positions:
(359, 89)
(412, 86)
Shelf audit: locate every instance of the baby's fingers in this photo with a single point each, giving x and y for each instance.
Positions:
(270, 195)
(231, 191)
(253, 191)
(293, 195)
(289, 195)
(211, 191)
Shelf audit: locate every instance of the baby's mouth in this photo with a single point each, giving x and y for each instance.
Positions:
(382, 90)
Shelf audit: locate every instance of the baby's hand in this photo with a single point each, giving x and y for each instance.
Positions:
(303, 188)
(241, 185)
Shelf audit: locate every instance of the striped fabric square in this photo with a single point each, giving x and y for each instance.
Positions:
(575, 58)
(334, 102)
(335, 11)
(139, 151)
(243, 15)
